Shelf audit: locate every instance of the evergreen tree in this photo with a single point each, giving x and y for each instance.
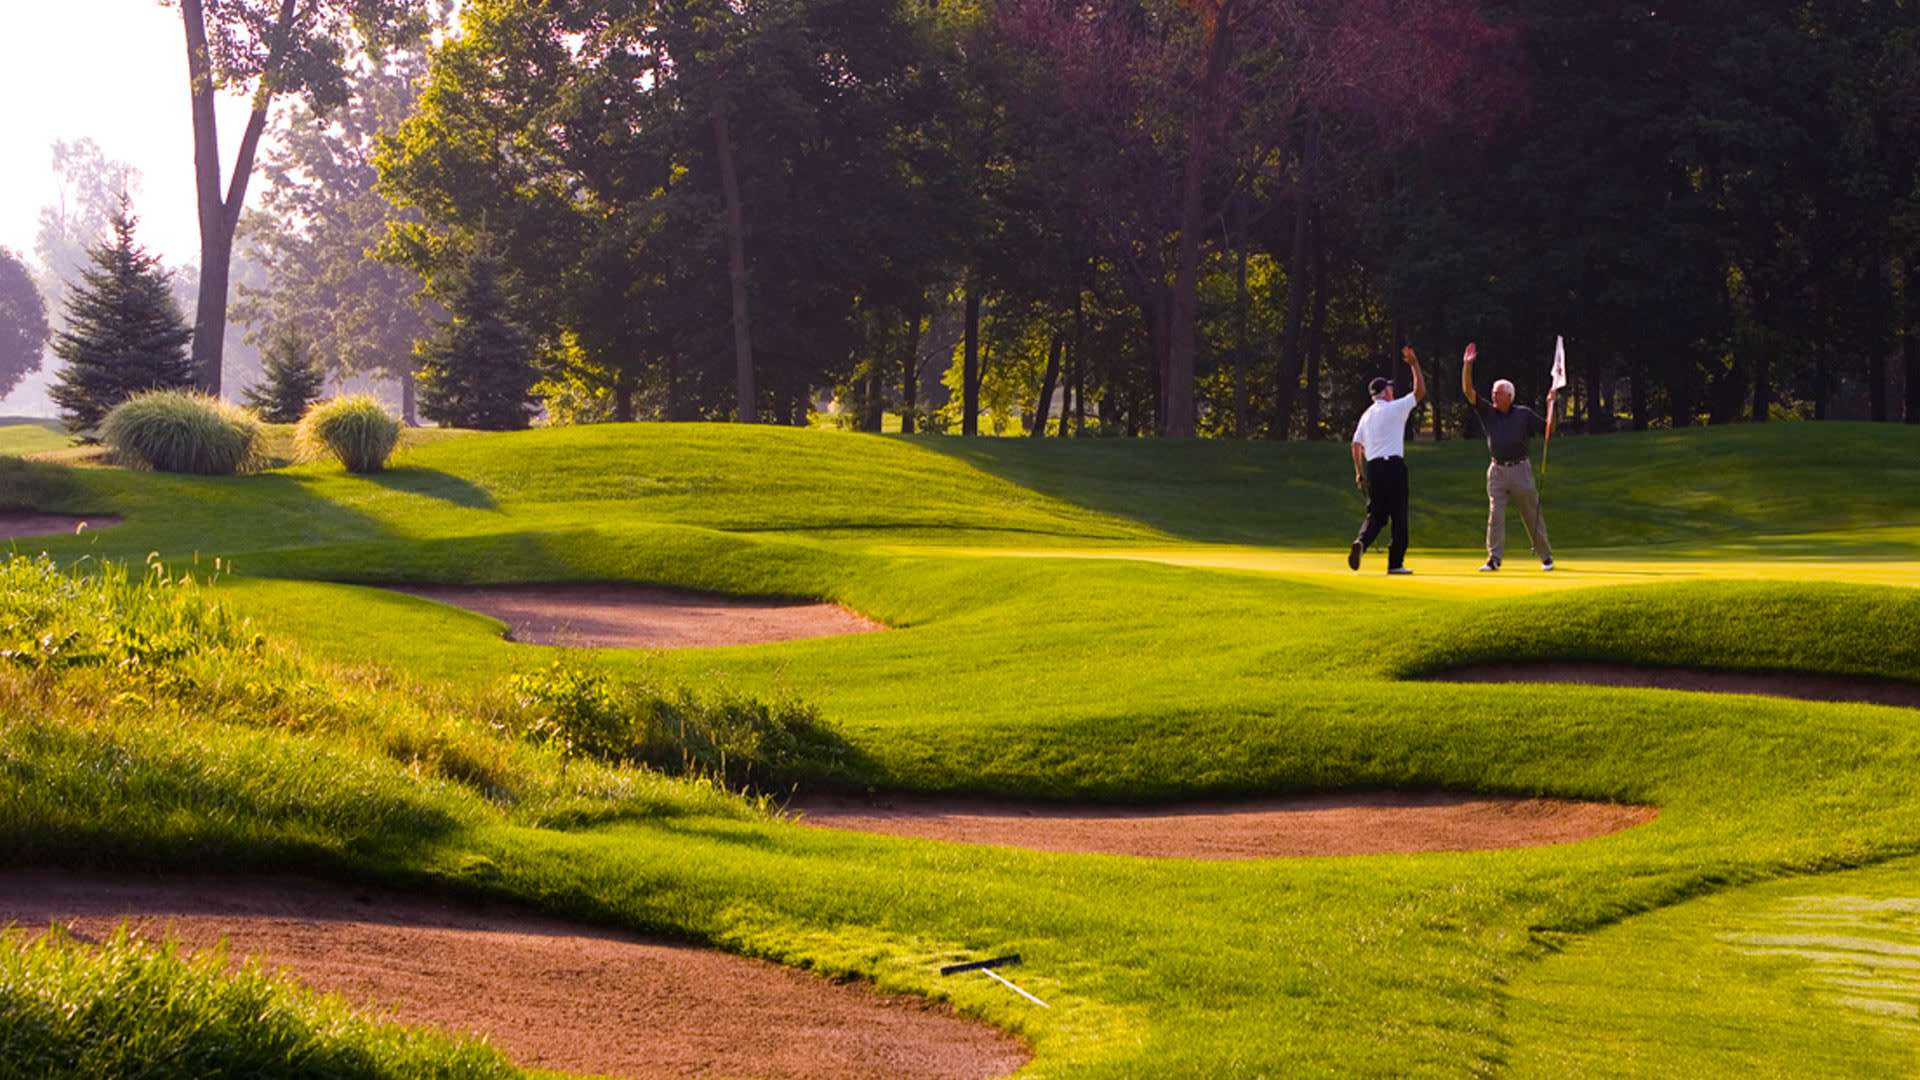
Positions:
(124, 332)
(478, 371)
(291, 379)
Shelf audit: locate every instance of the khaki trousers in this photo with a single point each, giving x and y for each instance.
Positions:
(1514, 482)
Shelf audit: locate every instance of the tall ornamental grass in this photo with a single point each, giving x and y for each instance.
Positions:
(123, 1008)
(356, 429)
(182, 431)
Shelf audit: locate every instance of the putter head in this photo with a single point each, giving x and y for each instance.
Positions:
(976, 965)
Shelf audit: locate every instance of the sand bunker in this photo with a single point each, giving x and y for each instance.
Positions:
(549, 994)
(19, 523)
(613, 616)
(1350, 823)
(1771, 684)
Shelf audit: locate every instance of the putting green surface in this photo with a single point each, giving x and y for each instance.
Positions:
(1446, 572)
(1148, 622)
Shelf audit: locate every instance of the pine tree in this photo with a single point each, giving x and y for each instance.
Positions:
(124, 332)
(478, 371)
(291, 379)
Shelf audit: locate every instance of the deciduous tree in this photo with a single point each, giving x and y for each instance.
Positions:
(263, 48)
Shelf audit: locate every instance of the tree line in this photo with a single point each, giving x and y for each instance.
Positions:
(1215, 217)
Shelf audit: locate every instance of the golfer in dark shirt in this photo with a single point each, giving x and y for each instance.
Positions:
(1510, 476)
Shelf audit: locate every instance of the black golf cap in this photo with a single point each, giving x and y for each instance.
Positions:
(1379, 386)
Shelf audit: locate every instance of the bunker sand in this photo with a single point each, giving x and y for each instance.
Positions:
(616, 616)
(24, 523)
(549, 994)
(1348, 823)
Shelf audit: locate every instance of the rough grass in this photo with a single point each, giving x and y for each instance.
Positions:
(25, 435)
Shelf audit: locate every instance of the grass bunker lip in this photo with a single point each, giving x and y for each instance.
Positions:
(552, 995)
(1802, 687)
(1336, 823)
(612, 615)
(24, 523)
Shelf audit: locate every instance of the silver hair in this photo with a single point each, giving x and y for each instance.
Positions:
(1498, 383)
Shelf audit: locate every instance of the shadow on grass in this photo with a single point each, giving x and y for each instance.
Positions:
(434, 484)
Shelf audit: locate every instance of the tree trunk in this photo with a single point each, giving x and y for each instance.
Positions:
(1177, 415)
(1679, 395)
(970, 366)
(220, 217)
(910, 378)
(1910, 346)
(1242, 302)
(1910, 341)
(1637, 391)
(1762, 406)
(1047, 381)
(1287, 383)
(409, 411)
(1317, 338)
(623, 396)
(1820, 382)
(744, 397)
(1593, 403)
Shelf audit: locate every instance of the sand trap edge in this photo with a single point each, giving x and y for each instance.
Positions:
(1326, 824)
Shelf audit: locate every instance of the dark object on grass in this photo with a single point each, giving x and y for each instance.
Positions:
(985, 967)
(978, 965)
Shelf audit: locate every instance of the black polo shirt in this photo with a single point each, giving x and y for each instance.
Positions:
(1507, 432)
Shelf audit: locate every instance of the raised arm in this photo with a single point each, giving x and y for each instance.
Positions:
(1553, 411)
(1419, 380)
(1466, 374)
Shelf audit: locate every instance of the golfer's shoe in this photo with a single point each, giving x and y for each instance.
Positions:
(1491, 565)
(1398, 570)
(1353, 555)
(1546, 564)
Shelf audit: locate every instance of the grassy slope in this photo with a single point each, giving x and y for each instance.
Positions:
(22, 435)
(1122, 680)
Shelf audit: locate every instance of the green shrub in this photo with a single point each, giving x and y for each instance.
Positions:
(739, 741)
(181, 431)
(355, 429)
(123, 1008)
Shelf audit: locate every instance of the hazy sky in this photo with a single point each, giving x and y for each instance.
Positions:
(114, 71)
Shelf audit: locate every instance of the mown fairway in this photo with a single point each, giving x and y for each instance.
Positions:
(1135, 621)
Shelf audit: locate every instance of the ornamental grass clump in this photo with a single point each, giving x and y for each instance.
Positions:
(182, 431)
(355, 429)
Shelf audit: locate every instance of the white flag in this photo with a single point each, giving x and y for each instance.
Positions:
(1559, 362)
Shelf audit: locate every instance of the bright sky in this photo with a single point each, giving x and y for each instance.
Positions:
(114, 71)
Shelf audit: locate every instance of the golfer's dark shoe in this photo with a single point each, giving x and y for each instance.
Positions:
(1492, 564)
(1398, 570)
(1546, 564)
(1353, 555)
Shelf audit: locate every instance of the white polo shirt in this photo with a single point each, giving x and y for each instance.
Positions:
(1382, 431)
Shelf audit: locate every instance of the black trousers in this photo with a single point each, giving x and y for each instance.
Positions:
(1387, 498)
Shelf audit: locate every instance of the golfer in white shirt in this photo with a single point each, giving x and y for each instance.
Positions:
(1380, 465)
